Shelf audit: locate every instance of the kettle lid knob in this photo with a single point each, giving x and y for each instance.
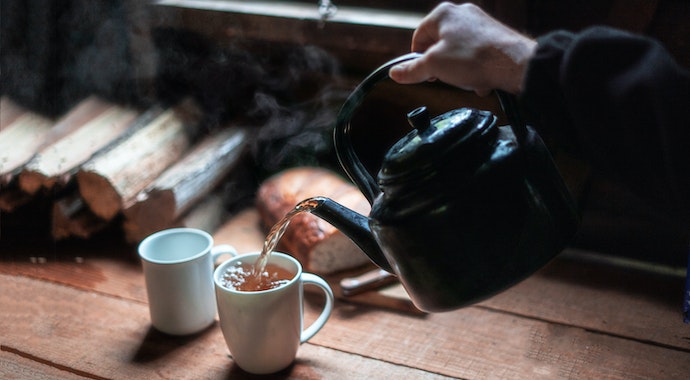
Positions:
(419, 119)
(450, 137)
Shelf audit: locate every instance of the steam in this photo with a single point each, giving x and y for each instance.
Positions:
(54, 55)
(287, 93)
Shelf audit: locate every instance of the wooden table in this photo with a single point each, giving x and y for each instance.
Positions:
(80, 311)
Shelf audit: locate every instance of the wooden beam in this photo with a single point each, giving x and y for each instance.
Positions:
(361, 38)
(305, 11)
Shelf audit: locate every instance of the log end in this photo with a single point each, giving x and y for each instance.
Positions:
(72, 218)
(31, 181)
(153, 211)
(99, 195)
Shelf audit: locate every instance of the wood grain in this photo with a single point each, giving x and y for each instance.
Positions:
(103, 336)
(574, 319)
(17, 365)
(509, 336)
(115, 176)
(19, 141)
(31, 178)
(183, 184)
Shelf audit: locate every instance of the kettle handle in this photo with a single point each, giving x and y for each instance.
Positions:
(341, 134)
(510, 109)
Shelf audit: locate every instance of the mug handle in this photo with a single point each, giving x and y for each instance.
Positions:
(309, 332)
(220, 250)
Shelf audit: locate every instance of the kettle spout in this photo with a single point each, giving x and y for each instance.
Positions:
(354, 225)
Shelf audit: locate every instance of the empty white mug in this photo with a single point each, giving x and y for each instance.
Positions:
(178, 268)
(263, 329)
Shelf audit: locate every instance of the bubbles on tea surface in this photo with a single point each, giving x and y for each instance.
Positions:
(235, 275)
(241, 277)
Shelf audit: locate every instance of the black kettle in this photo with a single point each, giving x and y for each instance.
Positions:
(462, 209)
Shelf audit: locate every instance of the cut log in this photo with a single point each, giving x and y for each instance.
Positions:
(19, 141)
(183, 184)
(58, 161)
(118, 174)
(12, 197)
(77, 116)
(22, 132)
(207, 215)
(71, 218)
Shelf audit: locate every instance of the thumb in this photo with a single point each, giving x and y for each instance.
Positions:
(409, 72)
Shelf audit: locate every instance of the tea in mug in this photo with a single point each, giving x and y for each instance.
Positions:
(241, 277)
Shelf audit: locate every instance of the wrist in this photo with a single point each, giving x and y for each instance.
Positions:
(521, 54)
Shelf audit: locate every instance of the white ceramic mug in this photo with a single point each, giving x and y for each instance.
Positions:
(263, 329)
(178, 268)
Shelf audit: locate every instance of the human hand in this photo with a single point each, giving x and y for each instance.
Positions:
(465, 47)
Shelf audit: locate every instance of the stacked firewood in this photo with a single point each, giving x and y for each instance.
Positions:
(103, 163)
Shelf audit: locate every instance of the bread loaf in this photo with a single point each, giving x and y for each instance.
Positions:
(314, 242)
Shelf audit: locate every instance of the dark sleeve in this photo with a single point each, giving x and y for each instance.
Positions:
(620, 102)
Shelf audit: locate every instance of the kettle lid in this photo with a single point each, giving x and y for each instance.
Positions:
(430, 142)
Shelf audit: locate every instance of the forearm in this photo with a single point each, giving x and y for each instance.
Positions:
(620, 102)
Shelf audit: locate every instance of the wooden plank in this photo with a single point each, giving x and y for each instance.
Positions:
(569, 291)
(638, 317)
(597, 296)
(621, 302)
(19, 366)
(305, 11)
(100, 336)
(106, 266)
(316, 362)
(361, 38)
(481, 330)
(472, 343)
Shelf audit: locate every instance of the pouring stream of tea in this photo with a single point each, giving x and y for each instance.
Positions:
(277, 232)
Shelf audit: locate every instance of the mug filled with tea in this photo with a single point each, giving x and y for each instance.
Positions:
(260, 306)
